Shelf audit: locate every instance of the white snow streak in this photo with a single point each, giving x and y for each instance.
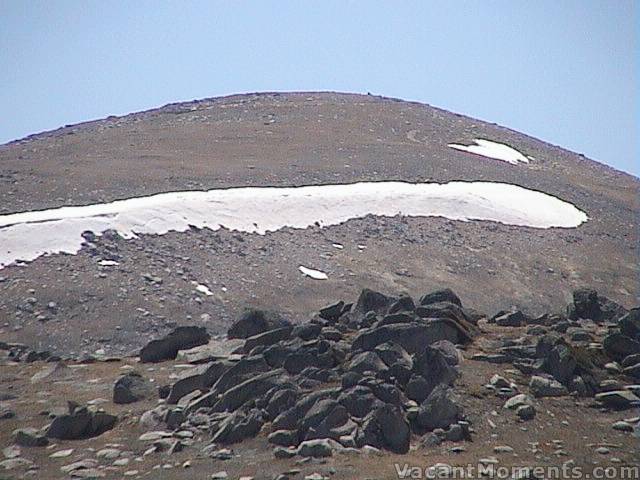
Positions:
(204, 289)
(495, 150)
(29, 235)
(315, 274)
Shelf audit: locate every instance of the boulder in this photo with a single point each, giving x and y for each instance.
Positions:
(282, 400)
(181, 338)
(511, 319)
(449, 351)
(393, 354)
(80, 422)
(585, 305)
(132, 387)
(366, 362)
(238, 426)
(444, 295)
(630, 324)
(633, 370)
(318, 448)
(618, 399)
(252, 322)
(439, 410)
(267, 338)
(517, 401)
(546, 387)
(371, 301)
(403, 304)
(359, 401)
(29, 437)
(283, 438)
(233, 398)
(333, 312)
(413, 337)
(560, 362)
(618, 346)
(307, 331)
(288, 420)
(390, 427)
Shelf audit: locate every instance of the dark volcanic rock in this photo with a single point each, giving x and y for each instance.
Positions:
(370, 301)
(385, 427)
(333, 312)
(511, 319)
(630, 324)
(252, 322)
(585, 305)
(619, 346)
(439, 410)
(413, 337)
(80, 422)
(560, 362)
(238, 426)
(132, 387)
(444, 295)
(267, 338)
(181, 338)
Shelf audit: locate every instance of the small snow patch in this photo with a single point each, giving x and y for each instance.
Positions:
(204, 289)
(108, 263)
(315, 274)
(498, 151)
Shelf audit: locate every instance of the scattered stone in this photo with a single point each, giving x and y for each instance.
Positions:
(29, 437)
(526, 412)
(322, 447)
(62, 453)
(622, 426)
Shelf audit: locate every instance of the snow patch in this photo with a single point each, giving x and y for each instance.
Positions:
(29, 235)
(204, 289)
(315, 274)
(495, 150)
(108, 263)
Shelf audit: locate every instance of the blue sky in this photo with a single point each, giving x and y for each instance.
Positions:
(565, 72)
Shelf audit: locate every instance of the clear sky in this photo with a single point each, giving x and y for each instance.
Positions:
(563, 71)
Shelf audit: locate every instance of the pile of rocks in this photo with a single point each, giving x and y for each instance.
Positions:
(368, 375)
(80, 422)
(562, 354)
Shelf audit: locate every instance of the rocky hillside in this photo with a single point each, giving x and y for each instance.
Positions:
(384, 387)
(116, 294)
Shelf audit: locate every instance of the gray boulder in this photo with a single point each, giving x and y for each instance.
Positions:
(444, 295)
(252, 322)
(560, 362)
(618, 346)
(181, 338)
(29, 437)
(546, 387)
(80, 422)
(367, 362)
(618, 399)
(439, 410)
(238, 426)
(132, 387)
(413, 337)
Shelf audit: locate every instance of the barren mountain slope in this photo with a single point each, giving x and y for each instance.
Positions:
(71, 304)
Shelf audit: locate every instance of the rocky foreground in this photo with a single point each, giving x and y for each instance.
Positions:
(373, 389)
